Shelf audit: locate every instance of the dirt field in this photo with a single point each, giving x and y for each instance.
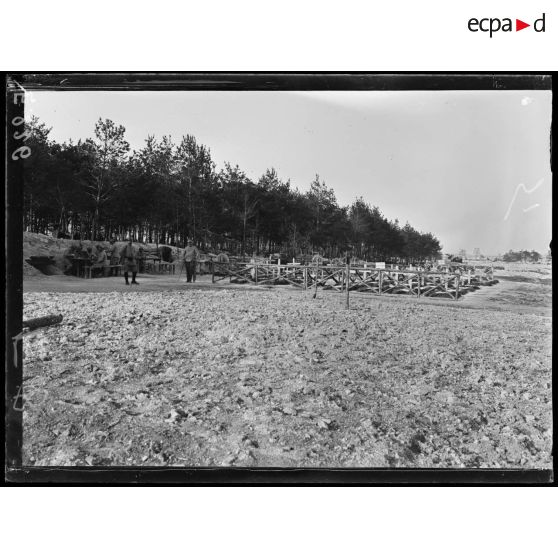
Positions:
(197, 375)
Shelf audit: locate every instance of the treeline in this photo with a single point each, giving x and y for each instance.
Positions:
(522, 256)
(167, 192)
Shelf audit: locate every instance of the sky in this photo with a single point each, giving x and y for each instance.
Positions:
(472, 167)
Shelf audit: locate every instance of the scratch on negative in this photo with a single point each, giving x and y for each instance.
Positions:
(532, 207)
(527, 191)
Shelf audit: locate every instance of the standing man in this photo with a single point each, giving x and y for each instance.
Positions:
(114, 256)
(191, 255)
(129, 260)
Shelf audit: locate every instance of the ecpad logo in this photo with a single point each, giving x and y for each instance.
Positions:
(493, 25)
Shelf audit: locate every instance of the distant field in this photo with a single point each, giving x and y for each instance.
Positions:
(533, 285)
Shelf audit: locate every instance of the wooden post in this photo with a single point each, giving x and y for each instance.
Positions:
(457, 287)
(305, 275)
(213, 272)
(256, 273)
(45, 321)
(348, 274)
(380, 281)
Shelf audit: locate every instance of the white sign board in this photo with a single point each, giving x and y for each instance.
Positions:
(442, 262)
(380, 265)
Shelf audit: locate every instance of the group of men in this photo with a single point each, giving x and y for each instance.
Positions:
(104, 261)
(129, 257)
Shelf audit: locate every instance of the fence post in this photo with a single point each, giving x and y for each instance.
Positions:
(213, 272)
(348, 274)
(256, 273)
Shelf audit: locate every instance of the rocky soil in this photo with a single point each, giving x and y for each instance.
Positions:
(241, 378)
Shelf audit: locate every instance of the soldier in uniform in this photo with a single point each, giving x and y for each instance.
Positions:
(113, 255)
(191, 255)
(101, 263)
(129, 260)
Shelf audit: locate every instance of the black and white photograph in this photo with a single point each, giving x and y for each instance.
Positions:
(323, 277)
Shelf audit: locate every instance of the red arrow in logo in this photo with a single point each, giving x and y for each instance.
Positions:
(519, 25)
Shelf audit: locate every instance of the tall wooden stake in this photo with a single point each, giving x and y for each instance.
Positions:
(348, 276)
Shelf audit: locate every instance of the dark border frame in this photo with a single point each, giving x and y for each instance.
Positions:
(281, 81)
(17, 83)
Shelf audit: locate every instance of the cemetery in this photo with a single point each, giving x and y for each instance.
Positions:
(262, 365)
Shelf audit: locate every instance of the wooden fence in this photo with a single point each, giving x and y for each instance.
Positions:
(449, 284)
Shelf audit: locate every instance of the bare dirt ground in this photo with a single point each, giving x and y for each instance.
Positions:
(200, 375)
(522, 288)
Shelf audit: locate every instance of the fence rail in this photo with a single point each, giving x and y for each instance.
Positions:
(449, 284)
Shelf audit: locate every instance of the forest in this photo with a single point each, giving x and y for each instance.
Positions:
(166, 192)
